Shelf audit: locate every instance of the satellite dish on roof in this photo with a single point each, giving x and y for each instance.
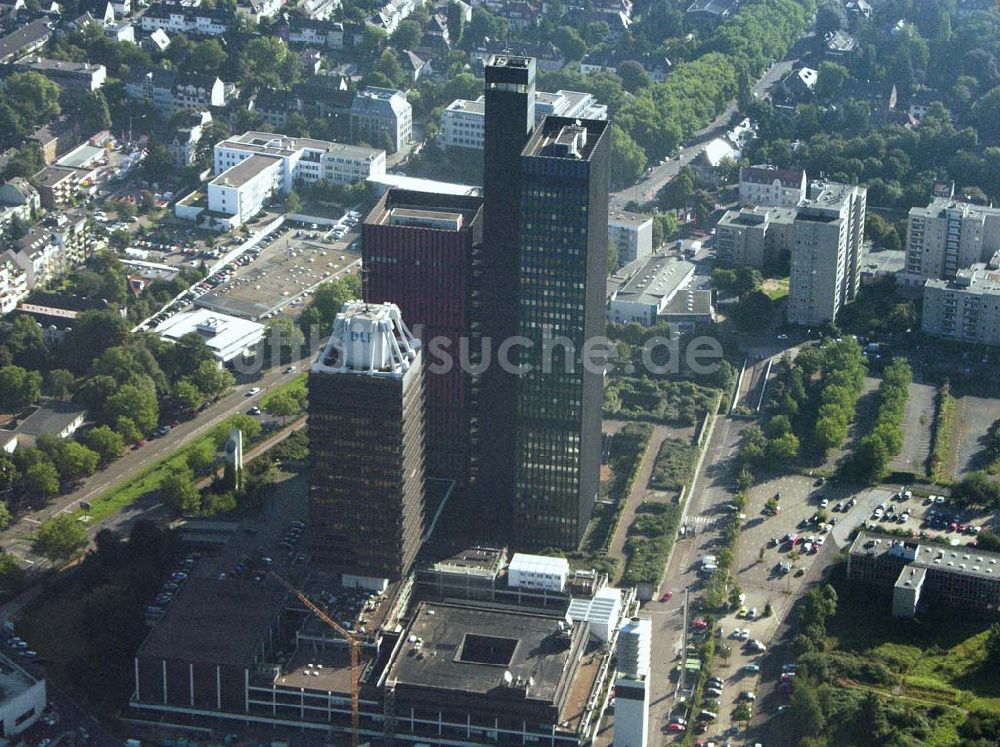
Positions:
(508, 678)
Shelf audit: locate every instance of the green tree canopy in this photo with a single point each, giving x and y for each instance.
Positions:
(59, 538)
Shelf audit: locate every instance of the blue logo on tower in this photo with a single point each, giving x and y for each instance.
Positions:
(365, 337)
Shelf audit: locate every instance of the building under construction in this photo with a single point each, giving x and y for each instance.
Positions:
(453, 668)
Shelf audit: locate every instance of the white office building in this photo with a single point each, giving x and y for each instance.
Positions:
(632, 235)
(243, 190)
(537, 572)
(649, 290)
(462, 120)
(228, 337)
(22, 698)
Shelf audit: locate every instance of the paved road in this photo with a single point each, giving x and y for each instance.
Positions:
(662, 173)
(711, 490)
(17, 539)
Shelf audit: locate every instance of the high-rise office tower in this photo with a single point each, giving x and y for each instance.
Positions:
(509, 122)
(562, 276)
(418, 251)
(366, 447)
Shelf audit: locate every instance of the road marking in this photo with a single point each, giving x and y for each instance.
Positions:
(32, 520)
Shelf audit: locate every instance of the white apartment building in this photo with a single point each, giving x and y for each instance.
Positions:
(827, 236)
(964, 308)
(380, 112)
(770, 186)
(632, 235)
(243, 190)
(253, 168)
(462, 120)
(185, 20)
(171, 91)
(948, 236)
(13, 284)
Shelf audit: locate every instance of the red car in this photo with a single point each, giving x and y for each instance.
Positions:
(140, 443)
(674, 726)
(952, 527)
(667, 596)
(699, 623)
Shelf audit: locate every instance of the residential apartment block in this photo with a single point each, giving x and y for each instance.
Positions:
(632, 235)
(823, 237)
(171, 91)
(770, 186)
(70, 76)
(44, 254)
(964, 308)
(947, 236)
(18, 199)
(827, 232)
(462, 120)
(382, 115)
(185, 19)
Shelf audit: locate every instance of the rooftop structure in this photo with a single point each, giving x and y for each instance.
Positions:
(227, 336)
(380, 184)
(537, 572)
(648, 292)
(368, 339)
(22, 698)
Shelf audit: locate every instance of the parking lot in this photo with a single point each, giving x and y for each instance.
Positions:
(973, 418)
(283, 273)
(918, 418)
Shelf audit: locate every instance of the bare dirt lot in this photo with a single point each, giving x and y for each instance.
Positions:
(973, 419)
(918, 418)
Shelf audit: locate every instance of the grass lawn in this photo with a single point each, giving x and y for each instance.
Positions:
(775, 288)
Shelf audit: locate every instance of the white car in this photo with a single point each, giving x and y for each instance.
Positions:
(254, 390)
(824, 503)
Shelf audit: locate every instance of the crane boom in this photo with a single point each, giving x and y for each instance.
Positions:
(352, 643)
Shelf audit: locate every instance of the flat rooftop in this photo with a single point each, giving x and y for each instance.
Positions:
(660, 277)
(425, 209)
(217, 622)
(51, 417)
(625, 218)
(453, 647)
(689, 301)
(244, 171)
(930, 555)
(565, 138)
(13, 680)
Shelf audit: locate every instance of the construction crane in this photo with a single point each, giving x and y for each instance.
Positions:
(352, 642)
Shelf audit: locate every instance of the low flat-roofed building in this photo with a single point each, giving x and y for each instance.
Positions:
(53, 418)
(689, 306)
(470, 674)
(22, 698)
(227, 336)
(381, 184)
(646, 294)
(918, 573)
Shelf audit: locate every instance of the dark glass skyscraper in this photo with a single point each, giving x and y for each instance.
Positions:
(418, 251)
(509, 122)
(562, 275)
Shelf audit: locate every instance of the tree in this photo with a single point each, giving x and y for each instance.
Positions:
(388, 66)
(107, 443)
(407, 35)
(9, 474)
(18, 388)
(187, 395)
(158, 166)
(212, 379)
(94, 113)
(993, 644)
(570, 43)
(207, 57)
(282, 404)
(59, 538)
(12, 576)
(284, 338)
(74, 460)
(93, 332)
(26, 161)
(628, 161)
(33, 97)
(326, 303)
(987, 116)
(634, 76)
(830, 80)
(17, 228)
(293, 203)
(60, 383)
(135, 402)
(830, 17)
(41, 479)
(128, 429)
(269, 63)
(179, 492)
